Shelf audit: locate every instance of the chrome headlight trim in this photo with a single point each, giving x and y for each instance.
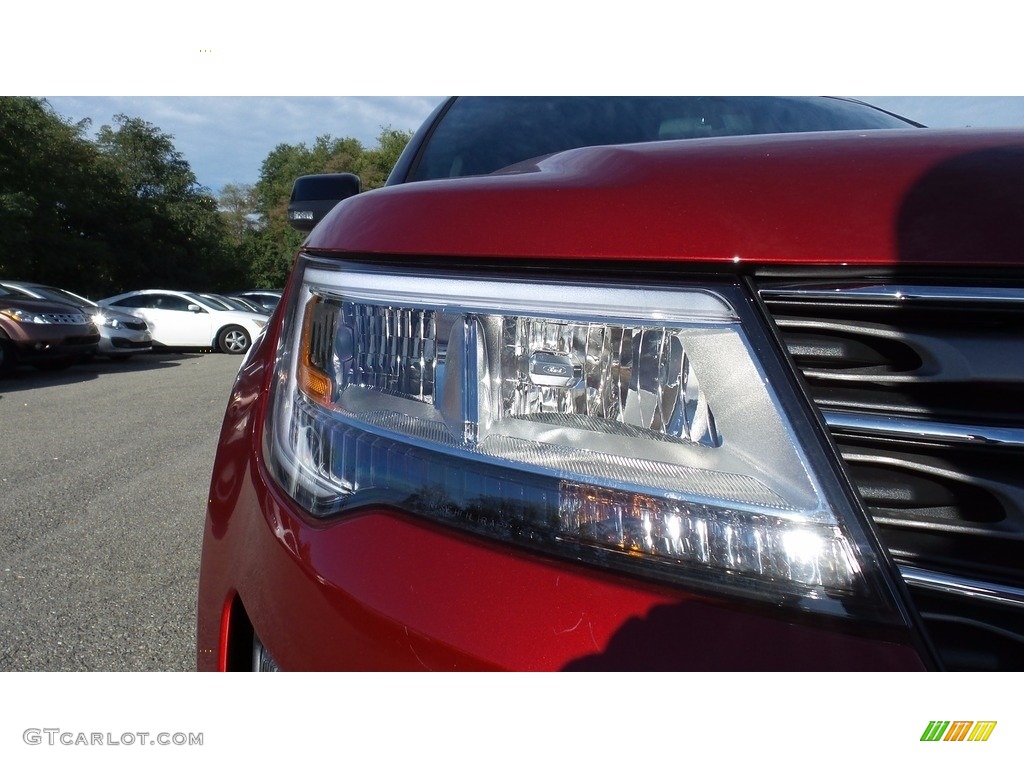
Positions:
(784, 538)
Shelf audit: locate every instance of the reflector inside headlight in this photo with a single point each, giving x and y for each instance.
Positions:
(633, 427)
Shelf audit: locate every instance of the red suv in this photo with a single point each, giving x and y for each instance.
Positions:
(682, 383)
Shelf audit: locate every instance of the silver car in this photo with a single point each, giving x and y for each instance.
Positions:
(121, 334)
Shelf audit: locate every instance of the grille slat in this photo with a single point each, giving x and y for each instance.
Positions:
(65, 319)
(922, 387)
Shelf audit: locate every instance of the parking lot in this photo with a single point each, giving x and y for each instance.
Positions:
(104, 472)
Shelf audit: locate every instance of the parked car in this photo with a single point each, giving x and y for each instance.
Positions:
(46, 334)
(184, 319)
(121, 334)
(268, 299)
(555, 400)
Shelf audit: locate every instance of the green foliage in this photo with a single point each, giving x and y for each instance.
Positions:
(124, 210)
(269, 250)
(378, 162)
(237, 206)
(172, 225)
(55, 198)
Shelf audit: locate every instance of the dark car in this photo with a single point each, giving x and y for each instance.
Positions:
(644, 384)
(46, 334)
(121, 334)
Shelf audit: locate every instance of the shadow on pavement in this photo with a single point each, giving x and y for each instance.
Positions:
(25, 377)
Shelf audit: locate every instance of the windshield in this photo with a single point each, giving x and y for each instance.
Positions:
(480, 135)
(227, 302)
(195, 298)
(247, 305)
(59, 294)
(218, 302)
(43, 292)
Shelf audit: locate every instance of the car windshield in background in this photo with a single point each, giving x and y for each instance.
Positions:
(232, 303)
(221, 302)
(480, 135)
(58, 294)
(54, 295)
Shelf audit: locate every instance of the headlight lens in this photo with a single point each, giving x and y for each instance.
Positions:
(100, 319)
(24, 316)
(631, 427)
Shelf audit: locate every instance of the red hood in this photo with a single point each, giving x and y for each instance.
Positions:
(874, 197)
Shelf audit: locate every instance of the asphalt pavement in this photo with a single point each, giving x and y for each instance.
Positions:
(104, 474)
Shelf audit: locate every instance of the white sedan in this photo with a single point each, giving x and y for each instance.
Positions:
(185, 319)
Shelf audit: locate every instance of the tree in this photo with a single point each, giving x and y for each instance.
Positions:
(97, 217)
(270, 250)
(379, 161)
(55, 199)
(172, 234)
(239, 211)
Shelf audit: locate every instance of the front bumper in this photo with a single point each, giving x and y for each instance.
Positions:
(125, 343)
(49, 342)
(380, 591)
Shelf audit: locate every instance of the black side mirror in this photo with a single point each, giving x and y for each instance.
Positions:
(314, 196)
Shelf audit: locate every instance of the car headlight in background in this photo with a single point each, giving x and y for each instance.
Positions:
(101, 319)
(24, 316)
(629, 427)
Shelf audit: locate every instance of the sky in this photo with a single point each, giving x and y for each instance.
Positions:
(225, 139)
(229, 86)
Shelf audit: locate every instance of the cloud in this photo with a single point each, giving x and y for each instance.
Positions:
(226, 139)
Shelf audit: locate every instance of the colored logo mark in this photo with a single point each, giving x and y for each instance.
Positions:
(958, 730)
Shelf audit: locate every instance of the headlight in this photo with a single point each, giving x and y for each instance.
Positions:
(24, 316)
(634, 428)
(101, 319)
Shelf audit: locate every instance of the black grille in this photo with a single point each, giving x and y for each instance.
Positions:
(122, 343)
(923, 389)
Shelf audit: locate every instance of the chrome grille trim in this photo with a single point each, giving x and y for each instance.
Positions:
(922, 388)
(62, 319)
(930, 431)
(1003, 595)
(897, 294)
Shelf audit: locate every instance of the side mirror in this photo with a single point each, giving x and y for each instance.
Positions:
(195, 308)
(314, 196)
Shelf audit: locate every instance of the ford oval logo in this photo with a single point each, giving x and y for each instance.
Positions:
(551, 369)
